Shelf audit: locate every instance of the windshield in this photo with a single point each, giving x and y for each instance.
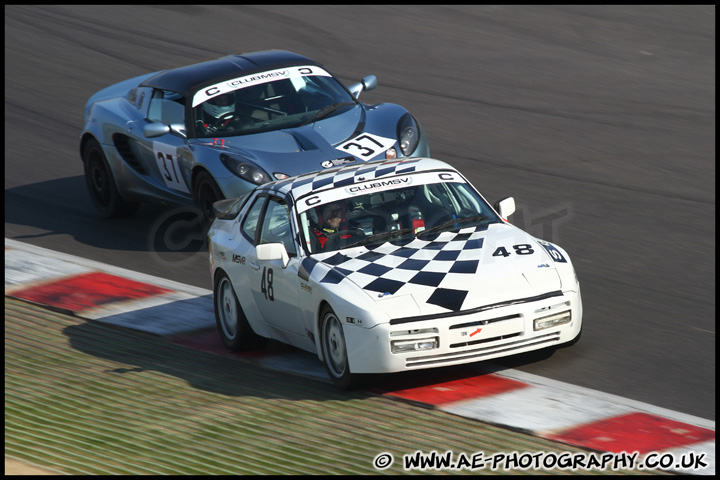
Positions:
(402, 214)
(285, 98)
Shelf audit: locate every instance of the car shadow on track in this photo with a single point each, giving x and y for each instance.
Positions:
(276, 371)
(63, 207)
(135, 353)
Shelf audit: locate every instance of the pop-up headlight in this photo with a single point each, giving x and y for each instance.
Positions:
(245, 169)
(408, 134)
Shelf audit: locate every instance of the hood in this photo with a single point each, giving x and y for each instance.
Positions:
(299, 150)
(450, 271)
(315, 146)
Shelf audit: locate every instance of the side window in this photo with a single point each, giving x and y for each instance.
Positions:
(276, 226)
(250, 222)
(166, 107)
(139, 97)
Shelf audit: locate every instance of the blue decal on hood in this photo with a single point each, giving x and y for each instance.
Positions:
(430, 279)
(306, 268)
(332, 276)
(448, 298)
(384, 285)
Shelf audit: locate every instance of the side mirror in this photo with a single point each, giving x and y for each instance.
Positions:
(158, 129)
(367, 83)
(505, 207)
(273, 251)
(228, 208)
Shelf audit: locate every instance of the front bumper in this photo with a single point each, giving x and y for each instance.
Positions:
(463, 338)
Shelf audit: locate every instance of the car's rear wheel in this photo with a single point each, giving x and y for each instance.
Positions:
(334, 350)
(101, 184)
(233, 326)
(205, 193)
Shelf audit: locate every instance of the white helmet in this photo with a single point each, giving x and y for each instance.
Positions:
(220, 105)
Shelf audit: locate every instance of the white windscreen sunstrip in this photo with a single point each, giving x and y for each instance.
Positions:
(377, 185)
(257, 79)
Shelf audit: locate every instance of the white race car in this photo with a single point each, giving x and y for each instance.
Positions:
(387, 266)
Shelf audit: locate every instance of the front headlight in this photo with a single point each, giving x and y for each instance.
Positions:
(552, 320)
(408, 134)
(245, 169)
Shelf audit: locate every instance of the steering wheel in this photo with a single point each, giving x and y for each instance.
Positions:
(225, 117)
(335, 240)
(379, 219)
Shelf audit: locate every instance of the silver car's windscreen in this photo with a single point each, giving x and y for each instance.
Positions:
(283, 98)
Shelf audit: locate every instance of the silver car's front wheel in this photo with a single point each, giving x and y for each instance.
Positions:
(205, 193)
(235, 331)
(335, 350)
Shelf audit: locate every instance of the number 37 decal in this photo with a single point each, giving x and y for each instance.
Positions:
(166, 157)
(366, 146)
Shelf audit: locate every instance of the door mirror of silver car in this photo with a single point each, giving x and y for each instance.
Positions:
(505, 207)
(273, 251)
(368, 83)
(153, 130)
(158, 129)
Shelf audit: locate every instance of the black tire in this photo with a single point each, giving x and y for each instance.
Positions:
(101, 184)
(235, 331)
(205, 193)
(334, 350)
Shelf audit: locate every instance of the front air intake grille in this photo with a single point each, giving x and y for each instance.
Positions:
(122, 145)
(480, 323)
(477, 354)
(485, 340)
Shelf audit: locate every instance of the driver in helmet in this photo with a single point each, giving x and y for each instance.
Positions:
(331, 216)
(218, 112)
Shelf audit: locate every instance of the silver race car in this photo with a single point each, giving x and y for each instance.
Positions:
(219, 128)
(388, 266)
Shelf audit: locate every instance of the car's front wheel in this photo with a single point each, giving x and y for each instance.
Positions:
(334, 350)
(101, 184)
(233, 326)
(205, 193)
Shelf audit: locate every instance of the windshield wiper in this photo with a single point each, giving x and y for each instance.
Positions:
(453, 222)
(326, 111)
(380, 236)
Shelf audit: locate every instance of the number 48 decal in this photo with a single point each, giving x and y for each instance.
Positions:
(266, 284)
(521, 249)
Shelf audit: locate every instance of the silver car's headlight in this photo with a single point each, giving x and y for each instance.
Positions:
(408, 134)
(245, 169)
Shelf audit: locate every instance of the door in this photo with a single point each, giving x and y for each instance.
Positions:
(275, 289)
(164, 157)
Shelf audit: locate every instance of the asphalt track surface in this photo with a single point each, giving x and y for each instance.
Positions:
(600, 121)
